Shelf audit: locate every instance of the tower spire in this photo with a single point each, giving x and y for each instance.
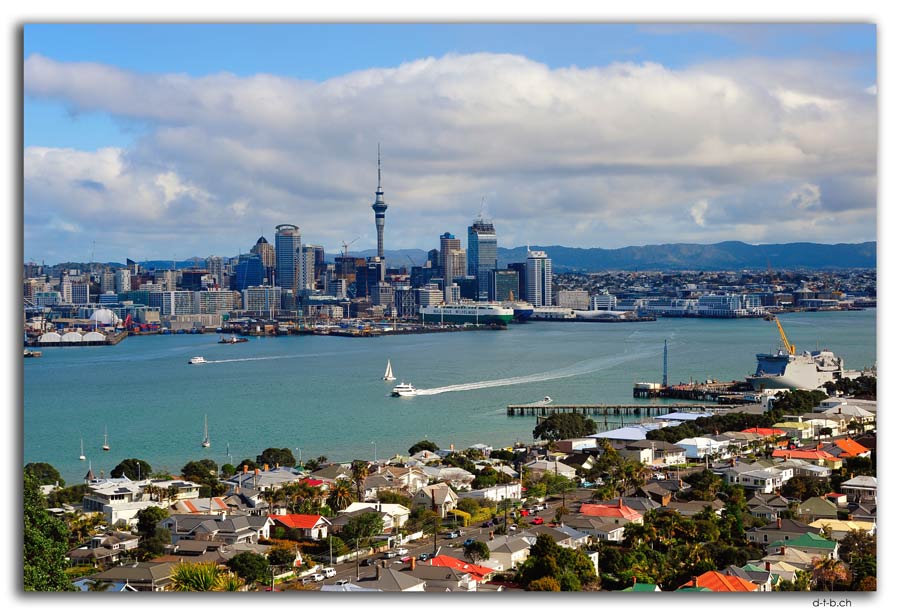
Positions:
(379, 207)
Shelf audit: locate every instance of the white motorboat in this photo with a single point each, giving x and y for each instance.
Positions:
(196, 360)
(404, 390)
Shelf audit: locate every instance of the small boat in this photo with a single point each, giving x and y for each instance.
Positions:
(82, 450)
(32, 353)
(196, 360)
(105, 440)
(205, 443)
(233, 340)
(388, 373)
(546, 400)
(404, 390)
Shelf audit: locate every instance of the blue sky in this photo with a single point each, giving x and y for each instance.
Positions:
(814, 74)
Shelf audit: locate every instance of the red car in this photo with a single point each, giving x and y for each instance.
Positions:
(537, 521)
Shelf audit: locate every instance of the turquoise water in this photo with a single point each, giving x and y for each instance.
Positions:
(325, 396)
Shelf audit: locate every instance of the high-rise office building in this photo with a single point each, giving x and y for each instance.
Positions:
(539, 272)
(266, 252)
(81, 293)
(522, 270)
(263, 300)
(308, 268)
(248, 272)
(216, 266)
(448, 244)
(287, 256)
(107, 281)
(505, 285)
(379, 207)
(482, 255)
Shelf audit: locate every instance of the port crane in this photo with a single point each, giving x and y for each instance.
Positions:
(784, 340)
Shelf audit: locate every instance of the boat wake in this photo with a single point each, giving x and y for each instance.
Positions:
(286, 356)
(581, 368)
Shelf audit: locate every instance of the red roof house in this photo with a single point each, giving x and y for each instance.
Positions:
(619, 512)
(718, 582)
(309, 526)
(479, 573)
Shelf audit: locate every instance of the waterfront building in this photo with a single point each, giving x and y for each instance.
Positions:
(379, 207)
(81, 293)
(123, 281)
(482, 255)
(107, 298)
(287, 256)
(452, 293)
(337, 288)
(728, 305)
(249, 271)
(456, 264)
(214, 301)
(47, 298)
(603, 301)
(405, 302)
(429, 295)
(522, 270)
(262, 299)
(173, 302)
(504, 285)
(382, 294)
(539, 273)
(574, 299)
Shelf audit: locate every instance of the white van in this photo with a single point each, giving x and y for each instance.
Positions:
(329, 572)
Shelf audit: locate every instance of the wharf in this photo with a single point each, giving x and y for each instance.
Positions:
(607, 409)
(111, 339)
(722, 392)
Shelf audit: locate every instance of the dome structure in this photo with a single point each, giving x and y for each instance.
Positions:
(50, 338)
(104, 317)
(72, 336)
(94, 336)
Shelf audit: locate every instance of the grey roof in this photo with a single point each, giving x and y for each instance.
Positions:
(143, 571)
(391, 581)
(869, 482)
(787, 525)
(506, 544)
(641, 505)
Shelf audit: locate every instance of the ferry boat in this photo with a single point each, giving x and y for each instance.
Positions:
(467, 313)
(404, 390)
(232, 340)
(196, 360)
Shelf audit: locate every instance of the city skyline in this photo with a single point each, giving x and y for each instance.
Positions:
(573, 134)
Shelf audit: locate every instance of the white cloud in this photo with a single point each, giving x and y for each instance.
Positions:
(567, 155)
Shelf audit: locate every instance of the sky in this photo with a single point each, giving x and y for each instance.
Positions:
(170, 141)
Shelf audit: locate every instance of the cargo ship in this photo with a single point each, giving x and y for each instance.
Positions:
(467, 313)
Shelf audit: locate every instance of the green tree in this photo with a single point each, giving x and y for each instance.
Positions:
(135, 469)
(252, 567)
(477, 551)
(200, 471)
(281, 555)
(148, 520)
(246, 463)
(423, 445)
(856, 544)
(563, 426)
(44, 473)
(228, 470)
(362, 527)
(46, 540)
(277, 457)
(341, 495)
(804, 487)
(67, 495)
(359, 472)
(392, 497)
(544, 584)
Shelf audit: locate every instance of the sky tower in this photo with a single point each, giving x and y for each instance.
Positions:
(379, 206)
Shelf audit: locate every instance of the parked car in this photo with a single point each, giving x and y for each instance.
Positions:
(424, 557)
(406, 559)
(316, 577)
(329, 572)
(402, 551)
(366, 562)
(488, 523)
(540, 506)
(468, 541)
(453, 534)
(389, 554)
(342, 582)
(537, 521)
(513, 527)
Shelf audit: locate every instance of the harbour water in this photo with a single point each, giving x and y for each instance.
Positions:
(325, 396)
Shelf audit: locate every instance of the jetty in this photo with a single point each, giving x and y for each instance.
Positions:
(609, 409)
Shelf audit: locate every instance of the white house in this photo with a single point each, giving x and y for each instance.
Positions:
(700, 447)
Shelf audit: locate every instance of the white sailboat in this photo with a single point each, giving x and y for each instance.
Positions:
(389, 373)
(205, 443)
(82, 457)
(105, 440)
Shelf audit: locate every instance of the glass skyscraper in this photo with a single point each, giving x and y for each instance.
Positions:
(482, 255)
(287, 256)
(539, 272)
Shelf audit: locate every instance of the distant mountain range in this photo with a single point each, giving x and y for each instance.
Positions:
(672, 256)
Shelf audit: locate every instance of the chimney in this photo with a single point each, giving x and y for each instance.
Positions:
(732, 462)
(620, 502)
(694, 582)
(782, 549)
(412, 564)
(451, 447)
(245, 470)
(265, 467)
(849, 517)
(633, 581)
(779, 523)
(768, 566)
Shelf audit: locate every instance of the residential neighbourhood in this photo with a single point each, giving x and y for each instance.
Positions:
(757, 504)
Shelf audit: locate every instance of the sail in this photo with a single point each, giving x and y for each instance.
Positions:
(205, 443)
(388, 373)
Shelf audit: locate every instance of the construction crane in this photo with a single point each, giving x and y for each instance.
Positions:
(347, 245)
(784, 340)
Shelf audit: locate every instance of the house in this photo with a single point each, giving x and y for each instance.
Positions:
(839, 529)
(795, 429)
(654, 492)
(411, 479)
(142, 576)
(717, 582)
(375, 483)
(695, 507)
(572, 445)
(864, 510)
(479, 573)
(817, 456)
(391, 580)
(781, 569)
(755, 476)
(810, 543)
(439, 497)
(103, 550)
(780, 530)
(642, 587)
(700, 448)
(444, 578)
(631, 433)
(816, 508)
(744, 441)
(656, 452)
(509, 491)
(267, 478)
(640, 504)
(393, 516)
(510, 551)
(860, 487)
(540, 467)
(768, 505)
(569, 539)
(619, 512)
(229, 529)
(601, 528)
(121, 499)
(208, 506)
(309, 526)
(845, 447)
(333, 473)
(803, 468)
(788, 555)
(769, 433)
(762, 578)
(457, 478)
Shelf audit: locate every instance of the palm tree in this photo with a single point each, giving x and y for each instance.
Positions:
(341, 495)
(360, 472)
(196, 577)
(98, 585)
(827, 570)
(230, 582)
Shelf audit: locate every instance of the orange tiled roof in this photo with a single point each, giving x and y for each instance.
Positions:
(764, 431)
(718, 582)
(478, 572)
(850, 447)
(610, 510)
(306, 522)
(798, 454)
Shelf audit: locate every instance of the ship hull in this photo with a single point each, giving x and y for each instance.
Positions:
(468, 314)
